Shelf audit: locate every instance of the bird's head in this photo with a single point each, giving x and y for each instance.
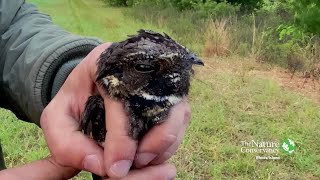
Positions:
(149, 65)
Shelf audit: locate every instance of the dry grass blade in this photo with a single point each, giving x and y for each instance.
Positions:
(217, 39)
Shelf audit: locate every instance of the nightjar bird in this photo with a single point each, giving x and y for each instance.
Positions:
(149, 72)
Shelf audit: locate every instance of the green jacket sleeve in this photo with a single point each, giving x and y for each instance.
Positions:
(34, 54)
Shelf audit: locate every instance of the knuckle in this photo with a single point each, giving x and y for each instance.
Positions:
(101, 48)
(167, 140)
(166, 155)
(44, 117)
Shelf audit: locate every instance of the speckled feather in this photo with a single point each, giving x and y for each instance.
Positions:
(149, 72)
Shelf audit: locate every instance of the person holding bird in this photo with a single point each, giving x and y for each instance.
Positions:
(47, 76)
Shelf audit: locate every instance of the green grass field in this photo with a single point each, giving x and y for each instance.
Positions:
(230, 104)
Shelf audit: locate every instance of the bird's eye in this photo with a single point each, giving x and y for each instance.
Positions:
(144, 68)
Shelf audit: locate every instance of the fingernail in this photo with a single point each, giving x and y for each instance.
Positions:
(121, 168)
(91, 163)
(144, 158)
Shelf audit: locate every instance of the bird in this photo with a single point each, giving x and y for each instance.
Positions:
(149, 72)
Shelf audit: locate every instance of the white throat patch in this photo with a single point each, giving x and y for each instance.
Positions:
(172, 98)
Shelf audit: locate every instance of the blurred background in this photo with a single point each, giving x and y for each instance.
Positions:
(260, 81)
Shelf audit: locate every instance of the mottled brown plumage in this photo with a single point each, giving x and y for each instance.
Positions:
(149, 72)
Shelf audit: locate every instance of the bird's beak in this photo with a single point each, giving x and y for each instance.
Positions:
(195, 60)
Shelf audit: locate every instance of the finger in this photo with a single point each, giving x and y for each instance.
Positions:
(161, 137)
(69, 146)
(170, 151)
(120, 149)
(92, 57)
(42, 169)
(159, 172)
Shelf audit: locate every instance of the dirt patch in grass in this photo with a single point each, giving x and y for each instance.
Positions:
(246, 68)
(307, 87)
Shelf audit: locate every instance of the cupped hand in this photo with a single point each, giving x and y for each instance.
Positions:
(70, 147)
(158, 145)
(61, 117)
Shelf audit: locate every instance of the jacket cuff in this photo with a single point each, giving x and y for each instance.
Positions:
(55, 69)
(63, 74)
(74, 50)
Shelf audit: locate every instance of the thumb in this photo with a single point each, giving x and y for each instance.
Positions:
(68, 146)
(41, 169)
(120, 149)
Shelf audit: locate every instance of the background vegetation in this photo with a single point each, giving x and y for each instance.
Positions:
(282, 32)
(241, 93)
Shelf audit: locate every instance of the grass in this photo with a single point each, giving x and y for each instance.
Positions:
(92, 19)
(230, 104)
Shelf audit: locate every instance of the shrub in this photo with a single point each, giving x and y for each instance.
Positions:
(307, 14)
(117, 2)
(274, 32)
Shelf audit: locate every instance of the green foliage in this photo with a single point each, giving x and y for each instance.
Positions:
(307, 13)
(185, 4)
(283, 39)
(214, 9)
(117, 2)
(188, 26)
(270, 33)
(160, 4)
(246, 5)
(289, 32)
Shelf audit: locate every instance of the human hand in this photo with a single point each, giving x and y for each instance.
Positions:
(48, 169)
(156, 172)
(60, 119)
(157, 146)
(70, 147)
(43, 169)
